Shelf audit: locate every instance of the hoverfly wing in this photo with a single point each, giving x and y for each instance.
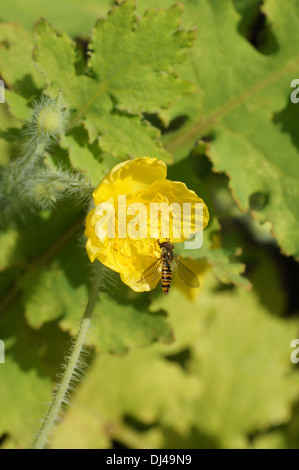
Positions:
(186, 275)
(152, 271)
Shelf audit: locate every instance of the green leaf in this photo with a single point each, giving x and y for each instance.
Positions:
(121, 82)
(125, 136)
(21, 77)
(241, 355)
(226, 270)
(85, 157)
(284, 437)
(142, 78)
(8, 242)
(49, 232)
(213, 387)
(49, 295)
(17, 67)
(225, 267)
(18, 106)
(223, 260)
(30, 367)
(240, 91)
(140, 386)
(6, 123)
(119, 327)
(248, 384)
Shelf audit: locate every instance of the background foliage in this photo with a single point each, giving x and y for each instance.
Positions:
(193, 369)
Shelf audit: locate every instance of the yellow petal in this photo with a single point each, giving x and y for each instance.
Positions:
(177, 218)
(129, 177)
(128, 257)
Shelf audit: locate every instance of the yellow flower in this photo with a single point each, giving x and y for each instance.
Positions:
(124, 227)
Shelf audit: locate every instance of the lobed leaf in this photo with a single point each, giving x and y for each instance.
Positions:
(121, 82)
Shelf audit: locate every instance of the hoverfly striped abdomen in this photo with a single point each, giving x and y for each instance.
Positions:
(166, 276)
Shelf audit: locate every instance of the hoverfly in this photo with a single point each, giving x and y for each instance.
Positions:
(166, 260)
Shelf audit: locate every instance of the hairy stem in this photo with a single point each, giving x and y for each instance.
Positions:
(72, 369)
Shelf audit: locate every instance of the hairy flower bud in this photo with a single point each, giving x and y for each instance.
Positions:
(49, 117)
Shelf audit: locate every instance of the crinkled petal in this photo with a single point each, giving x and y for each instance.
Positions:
(128, 257)
(129, 177)
(183, 214)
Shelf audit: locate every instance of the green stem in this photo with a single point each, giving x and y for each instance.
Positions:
(71, 370)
